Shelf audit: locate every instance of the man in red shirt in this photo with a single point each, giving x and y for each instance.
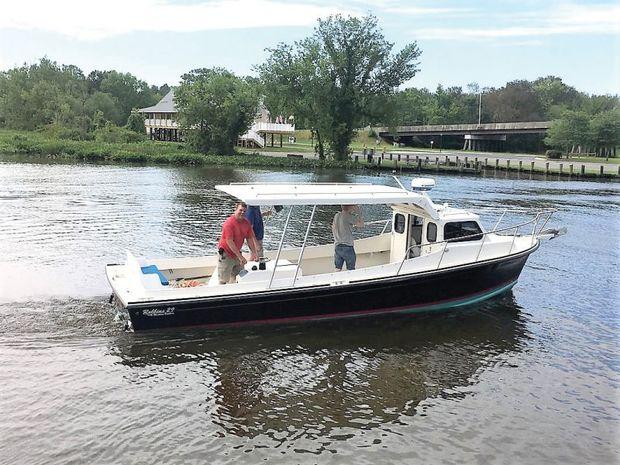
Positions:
(235, 230)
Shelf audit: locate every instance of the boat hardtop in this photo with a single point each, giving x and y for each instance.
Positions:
(287, 194)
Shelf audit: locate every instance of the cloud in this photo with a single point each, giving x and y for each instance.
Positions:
(557, 20)
(98, 20)
(426, 11)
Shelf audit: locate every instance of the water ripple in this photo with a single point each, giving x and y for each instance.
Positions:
(532, 377)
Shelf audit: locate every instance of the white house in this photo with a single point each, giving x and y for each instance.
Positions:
(160, 123)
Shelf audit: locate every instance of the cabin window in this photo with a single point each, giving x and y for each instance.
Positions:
(399, 223)
(460, 229)
(431, 232)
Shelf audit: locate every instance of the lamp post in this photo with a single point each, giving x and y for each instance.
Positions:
(431, 145)
(479, 108)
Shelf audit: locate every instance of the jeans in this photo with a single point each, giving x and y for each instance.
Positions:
(344, 254)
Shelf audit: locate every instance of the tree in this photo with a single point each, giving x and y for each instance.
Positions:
(336, 75)
(135, 122)
(215, 107)
(606, 132)
(571, 131)
(36, 95)
(126, 90)
(105, 103)
(555, 96)
(293, 84)
(517, 101)
(44, 93)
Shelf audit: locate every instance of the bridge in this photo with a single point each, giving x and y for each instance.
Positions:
(476, 136)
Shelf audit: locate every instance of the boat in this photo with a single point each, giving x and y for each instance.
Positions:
(433, 257)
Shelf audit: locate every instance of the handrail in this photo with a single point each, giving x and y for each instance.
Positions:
(514, 236)
(384, 222)
(481, 234)
(386, 225)
(303, 246)
(546, 221)
(500, 219)
(275, 265)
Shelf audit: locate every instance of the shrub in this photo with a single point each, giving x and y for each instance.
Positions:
(113, 134)
(553, 154)
(58, 131)
(23, 144)
(135, 122)
(74, 134)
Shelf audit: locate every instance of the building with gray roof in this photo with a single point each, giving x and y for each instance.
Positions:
(160, 123)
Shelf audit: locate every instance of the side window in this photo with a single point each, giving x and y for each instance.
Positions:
(461, 229)
(399, 223)
(431, 232)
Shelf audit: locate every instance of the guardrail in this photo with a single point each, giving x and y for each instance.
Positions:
(159, 122)
(273, 127)
(385, 224)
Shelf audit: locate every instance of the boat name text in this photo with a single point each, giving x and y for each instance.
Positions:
(158, 311)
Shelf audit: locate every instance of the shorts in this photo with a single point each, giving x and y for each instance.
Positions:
(344, 254)
(228, 268)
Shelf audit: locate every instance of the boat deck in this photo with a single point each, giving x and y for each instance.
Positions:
(197, 276)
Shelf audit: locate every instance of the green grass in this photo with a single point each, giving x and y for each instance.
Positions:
(574, 159)
(153, 152)
(305, 144)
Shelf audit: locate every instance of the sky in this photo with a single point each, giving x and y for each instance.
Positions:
(487, 42)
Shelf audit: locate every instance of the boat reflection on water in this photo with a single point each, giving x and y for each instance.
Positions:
(325, 376)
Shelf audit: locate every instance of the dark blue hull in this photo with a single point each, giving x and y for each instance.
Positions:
(422, 292)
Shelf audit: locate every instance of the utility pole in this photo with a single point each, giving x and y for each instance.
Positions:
(479, 107)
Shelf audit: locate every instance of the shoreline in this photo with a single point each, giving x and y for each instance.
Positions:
(24, 143)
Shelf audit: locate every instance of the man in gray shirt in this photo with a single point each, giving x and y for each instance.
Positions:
(344, 221)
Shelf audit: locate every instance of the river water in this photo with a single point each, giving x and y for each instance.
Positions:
(531, 377)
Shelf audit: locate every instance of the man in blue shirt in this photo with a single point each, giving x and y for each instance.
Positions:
(255, 217)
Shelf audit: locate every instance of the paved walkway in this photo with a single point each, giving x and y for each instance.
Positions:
(513, 159)
(503, 159)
